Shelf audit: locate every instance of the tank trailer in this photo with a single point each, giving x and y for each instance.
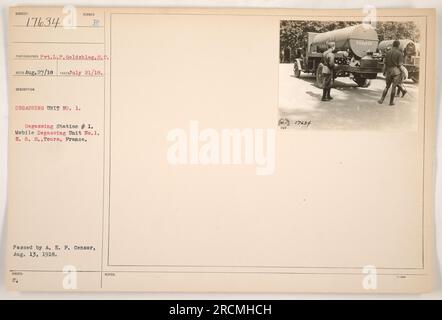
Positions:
(355, 54)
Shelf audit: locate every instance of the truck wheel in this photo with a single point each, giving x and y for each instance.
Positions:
(319, 77)
(362, 82)
(296, 70)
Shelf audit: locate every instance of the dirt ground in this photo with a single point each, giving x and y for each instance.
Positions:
(352, 108)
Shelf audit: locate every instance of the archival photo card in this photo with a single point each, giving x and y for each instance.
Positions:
(220, 150)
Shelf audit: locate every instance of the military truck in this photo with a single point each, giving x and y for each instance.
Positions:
(355, 54)
(411, 55)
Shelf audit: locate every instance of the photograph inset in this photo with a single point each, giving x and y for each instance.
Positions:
(348, 75)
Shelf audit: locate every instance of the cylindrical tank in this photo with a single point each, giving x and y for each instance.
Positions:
(359, 39)
(407, 46)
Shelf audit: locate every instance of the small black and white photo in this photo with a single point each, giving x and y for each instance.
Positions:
(349, 75)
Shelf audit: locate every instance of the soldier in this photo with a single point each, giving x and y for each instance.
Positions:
(328, 60)
(392, 64)
(400, 86)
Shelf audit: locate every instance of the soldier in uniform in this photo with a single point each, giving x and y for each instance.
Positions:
(392, 63)
(328, 60)
(400, 86)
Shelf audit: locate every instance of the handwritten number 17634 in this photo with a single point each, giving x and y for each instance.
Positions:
(43, 22)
